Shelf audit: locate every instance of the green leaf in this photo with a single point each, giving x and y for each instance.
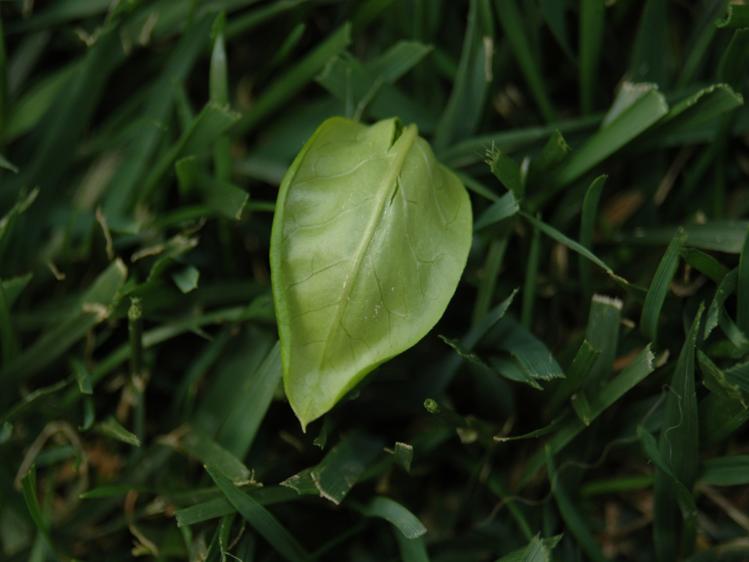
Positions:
(514, 26)
(659, 286)
(732, 470)
(531, 275)
(614, 134)
(344, 304)
(471, 85)
(260, 519)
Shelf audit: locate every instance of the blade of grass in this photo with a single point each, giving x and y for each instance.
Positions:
(737, 15)
(207, 127)
(200, 446)
(488, 281)
(732, 470)
(529, 352)
(601, 401)
(628, 125)
(591, 34)
(650, 52)
(260, 519)
(470, 88)
(473, 150)
(514, 26)
(502, 209)
(218, 85)
(705, 264)
(679, 447)
(573, 519)
(554, 14)
(720, 235)
(742, 293)
(507, 171)
(159, 103)
(587, 224)
(394, 513)
(659, 286)
(531, 274)
(412, 550)
(282, 89)
(95, 306)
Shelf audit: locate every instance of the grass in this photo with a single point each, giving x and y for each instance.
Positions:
(585, 397)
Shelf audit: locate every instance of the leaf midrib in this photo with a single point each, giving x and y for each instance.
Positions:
(385, 188)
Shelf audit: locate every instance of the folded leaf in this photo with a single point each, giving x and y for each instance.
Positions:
(370, 237)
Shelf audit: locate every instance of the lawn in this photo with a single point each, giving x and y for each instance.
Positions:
(553, 227)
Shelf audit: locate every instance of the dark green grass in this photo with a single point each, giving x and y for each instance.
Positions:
(598, 413)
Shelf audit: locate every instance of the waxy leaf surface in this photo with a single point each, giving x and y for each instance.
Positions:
(370, 237)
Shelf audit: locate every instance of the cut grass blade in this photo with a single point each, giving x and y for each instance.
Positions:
(260, 519)
(507, 171)
(340, 470)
